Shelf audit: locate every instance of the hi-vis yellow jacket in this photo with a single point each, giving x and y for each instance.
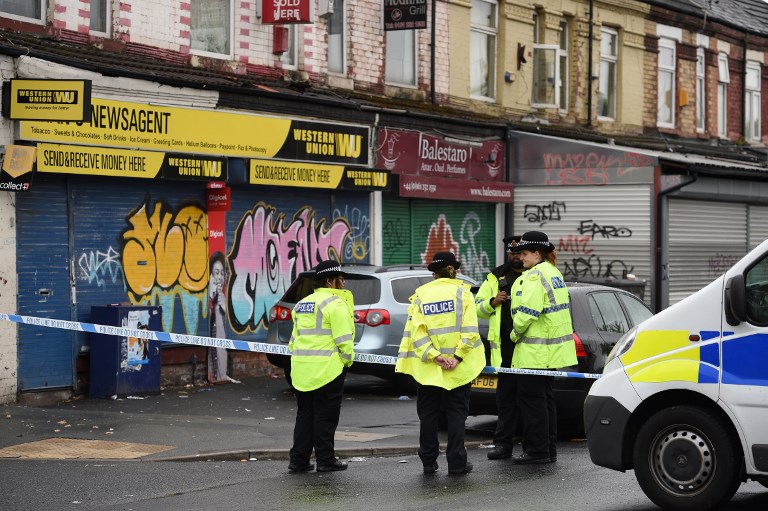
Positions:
(441, 321)
(322, 342)
(487, 292)
(542, 325)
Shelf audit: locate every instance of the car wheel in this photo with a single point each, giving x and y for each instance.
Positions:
(686, 459)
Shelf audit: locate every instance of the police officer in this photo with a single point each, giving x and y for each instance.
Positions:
(543, 333)
(321, 349)
(493, 303)
(441, 348)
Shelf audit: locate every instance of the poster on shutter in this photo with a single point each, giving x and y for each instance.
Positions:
(18, 168)
(286, 11)
(218, 203)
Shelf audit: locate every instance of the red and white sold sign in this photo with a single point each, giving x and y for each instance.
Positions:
(286, 11)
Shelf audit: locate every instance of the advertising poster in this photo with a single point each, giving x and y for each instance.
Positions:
(138, 349)
(218, 203)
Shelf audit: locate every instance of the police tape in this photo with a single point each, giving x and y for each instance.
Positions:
(256, 347)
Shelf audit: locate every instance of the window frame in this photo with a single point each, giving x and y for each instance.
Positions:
(490, 32)
(38, 21)
(612, 60)
(671, 70)
(564, 70)
(338, 14)
(293, 47)
(107, 5)
(415, 56)
(701, 90)
(231, 35)
(752, 95)
(723, 79)
(559, 77)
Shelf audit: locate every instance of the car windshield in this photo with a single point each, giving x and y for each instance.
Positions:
(365, 289)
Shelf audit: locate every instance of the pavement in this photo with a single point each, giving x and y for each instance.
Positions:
(242, 420)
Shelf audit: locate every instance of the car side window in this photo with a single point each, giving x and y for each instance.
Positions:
(638, 311)
(607, 313)
(402, 289)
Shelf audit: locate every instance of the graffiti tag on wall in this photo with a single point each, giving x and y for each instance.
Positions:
(475, 261)
(267, 255)
(164, 256)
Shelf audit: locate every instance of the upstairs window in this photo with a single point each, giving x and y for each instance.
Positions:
(482, 48)
(701, 91)
(752, 103)
(32, 9)
(666, 90)
(99, 16)
(723, 79)
(401, 57)
(290, 57)
(211, 26)
(550, 68)
(606, 88)
(336, 52)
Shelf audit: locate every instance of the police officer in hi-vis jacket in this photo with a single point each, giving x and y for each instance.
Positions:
(321, 347)
(441, 348)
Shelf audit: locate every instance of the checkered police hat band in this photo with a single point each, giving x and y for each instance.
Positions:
(524, 243)
(333, 268)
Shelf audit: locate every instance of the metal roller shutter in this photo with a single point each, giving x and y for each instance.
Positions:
(758, 225)
(705, 240)
(466, 228)
(46, 355)
(599, 232)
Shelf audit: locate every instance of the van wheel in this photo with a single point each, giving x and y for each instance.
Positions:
(685, 459)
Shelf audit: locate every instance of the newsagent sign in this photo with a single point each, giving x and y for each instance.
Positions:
(121, 124)
(405, 14)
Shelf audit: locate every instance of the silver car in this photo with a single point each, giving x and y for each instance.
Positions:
(381, 310)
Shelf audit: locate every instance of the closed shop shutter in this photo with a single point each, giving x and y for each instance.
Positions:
(46, 355)
(467, 229)
(599, 232)
(705, 240)
(163, 224)
(758, 225)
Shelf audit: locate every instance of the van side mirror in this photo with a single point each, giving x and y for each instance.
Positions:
(735, 300)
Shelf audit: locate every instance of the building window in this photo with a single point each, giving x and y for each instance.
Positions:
(606, 88)
(211, 26)
(401, 57)
(666, 91)
(100, 16)
(701, 91)
(550, 68)
(482, 48)
(23, 8)
(336, 52)
(752, 102)
(723, 79)
(290, 57)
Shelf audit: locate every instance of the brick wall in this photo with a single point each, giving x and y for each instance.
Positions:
(8, 277)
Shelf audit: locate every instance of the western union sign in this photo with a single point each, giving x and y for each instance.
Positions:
(208, 132)
(47, 100)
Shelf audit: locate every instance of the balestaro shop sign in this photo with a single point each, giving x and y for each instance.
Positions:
(433, 167)
(47, 100)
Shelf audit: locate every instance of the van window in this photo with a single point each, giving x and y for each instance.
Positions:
(757, 293)
(607, 313)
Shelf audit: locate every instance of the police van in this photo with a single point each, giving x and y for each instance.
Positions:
(683, 399)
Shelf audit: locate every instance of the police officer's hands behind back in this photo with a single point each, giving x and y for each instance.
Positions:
(446, 363)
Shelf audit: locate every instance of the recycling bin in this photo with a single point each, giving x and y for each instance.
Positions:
(122, 366)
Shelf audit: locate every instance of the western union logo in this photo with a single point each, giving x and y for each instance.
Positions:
(50, 97)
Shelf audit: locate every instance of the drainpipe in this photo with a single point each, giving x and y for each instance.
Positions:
(432, 45)
(589, 63)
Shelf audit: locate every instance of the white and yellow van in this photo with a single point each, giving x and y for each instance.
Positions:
(683, 399)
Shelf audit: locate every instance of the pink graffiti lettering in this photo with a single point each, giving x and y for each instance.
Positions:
(574, 245)
(267, 255)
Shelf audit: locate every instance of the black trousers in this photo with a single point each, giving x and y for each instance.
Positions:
(430, 403)
(538, 413)
(508, 414)
(317, 417)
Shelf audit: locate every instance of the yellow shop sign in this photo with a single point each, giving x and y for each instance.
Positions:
(306, 175)
(48, 100)
(98, 161)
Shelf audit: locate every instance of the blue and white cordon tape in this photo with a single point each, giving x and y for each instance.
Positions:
(258, 347)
